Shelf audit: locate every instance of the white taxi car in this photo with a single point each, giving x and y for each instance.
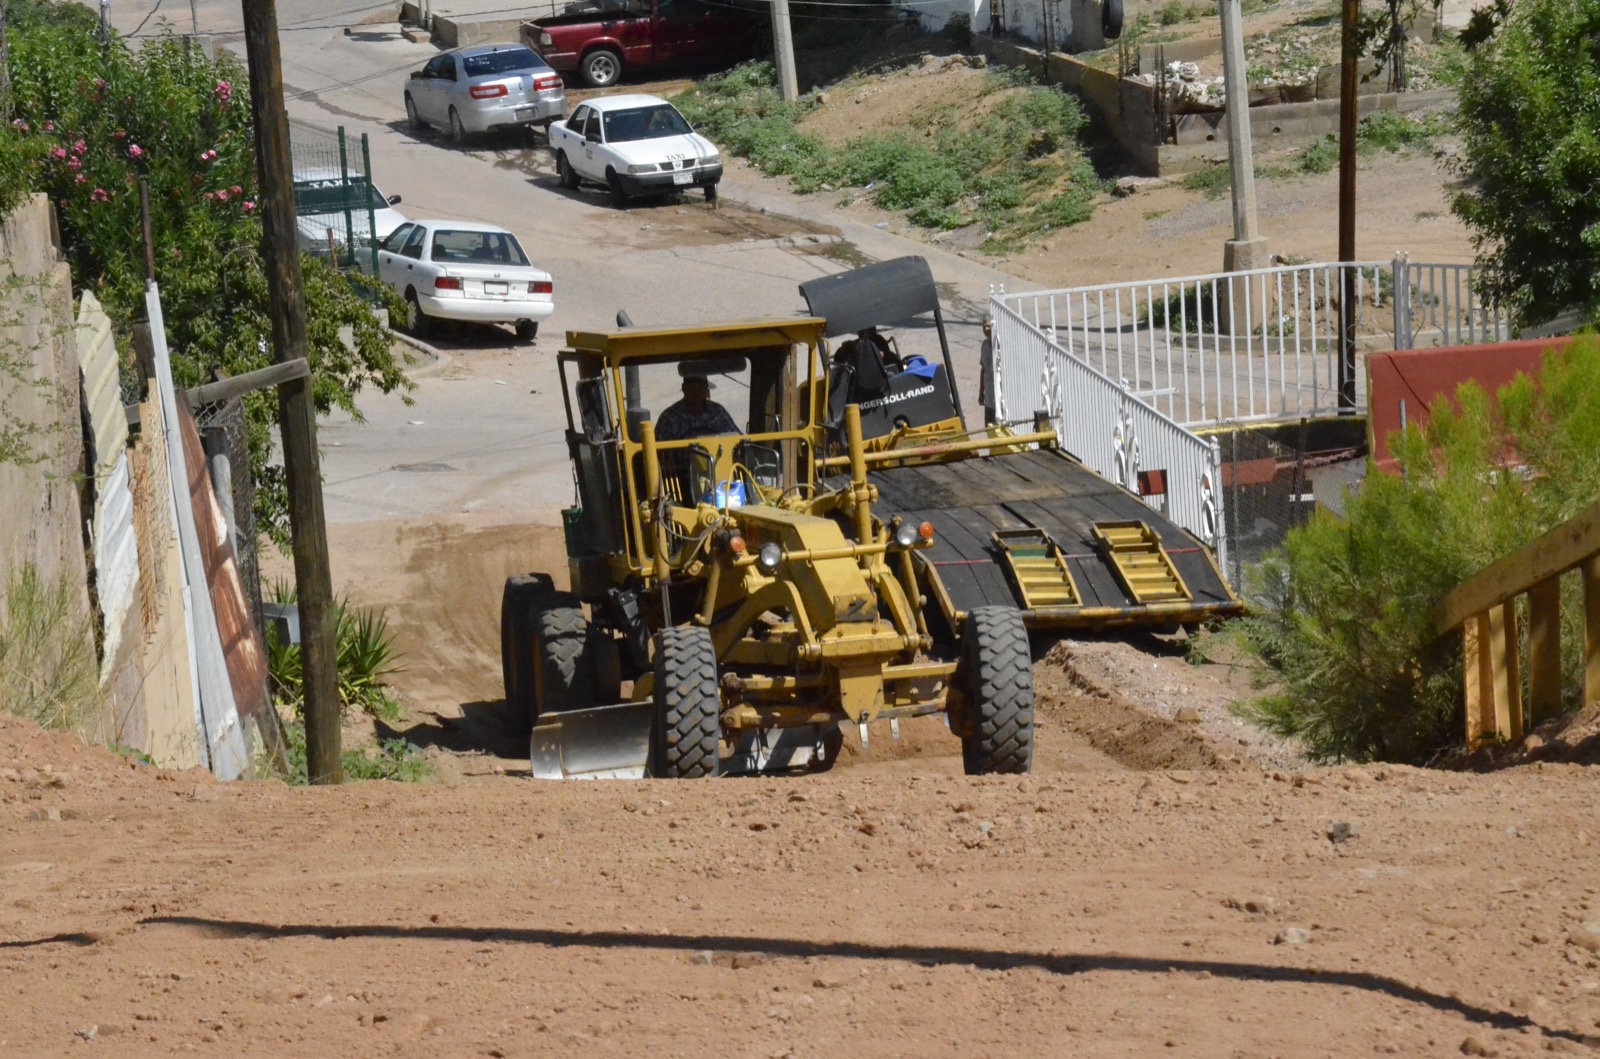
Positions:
(464, 270)
(329, 200)
(633, 145)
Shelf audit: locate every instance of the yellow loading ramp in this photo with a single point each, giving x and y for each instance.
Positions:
(1038, 568)
(1142, 565)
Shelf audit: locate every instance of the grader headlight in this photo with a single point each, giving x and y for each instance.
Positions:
(905, 535)
(769, 557)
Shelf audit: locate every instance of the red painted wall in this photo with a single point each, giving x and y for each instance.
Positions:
(1420, 378)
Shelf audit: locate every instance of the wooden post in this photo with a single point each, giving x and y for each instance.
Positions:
(1544, 650)
(297, 415)
(1504, 657)
(1478, 678)
(1591, 630)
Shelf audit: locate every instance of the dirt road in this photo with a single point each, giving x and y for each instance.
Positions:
(869, 912)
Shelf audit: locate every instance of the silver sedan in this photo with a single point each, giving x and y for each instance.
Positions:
(486, 86)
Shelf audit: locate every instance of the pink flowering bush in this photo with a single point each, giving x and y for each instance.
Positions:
(88, 125)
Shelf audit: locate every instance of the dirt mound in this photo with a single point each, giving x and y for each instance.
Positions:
(1136, 737)
(51, 776)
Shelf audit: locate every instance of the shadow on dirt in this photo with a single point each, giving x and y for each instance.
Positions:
(486, 727)
(923, 955)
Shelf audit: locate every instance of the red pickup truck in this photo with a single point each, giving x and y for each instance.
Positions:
(598, 39)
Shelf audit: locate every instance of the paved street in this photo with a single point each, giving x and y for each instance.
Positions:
(484, 433)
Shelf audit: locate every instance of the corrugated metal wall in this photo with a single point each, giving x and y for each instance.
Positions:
(115, 548)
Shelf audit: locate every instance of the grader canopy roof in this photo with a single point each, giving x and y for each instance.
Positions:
(637, 342)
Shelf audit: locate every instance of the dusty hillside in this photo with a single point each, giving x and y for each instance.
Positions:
(1151, 227)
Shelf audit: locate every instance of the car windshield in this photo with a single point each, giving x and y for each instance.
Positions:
(492, 248)
(333, 195)
(644, 123)
(500, 62)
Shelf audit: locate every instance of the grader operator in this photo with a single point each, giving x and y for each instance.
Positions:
(731, 605)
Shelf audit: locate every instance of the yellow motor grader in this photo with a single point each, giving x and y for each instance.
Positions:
(733, 601)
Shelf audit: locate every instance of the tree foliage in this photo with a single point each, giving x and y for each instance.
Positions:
(1530, 122)
(90, 121)
(1347, 626)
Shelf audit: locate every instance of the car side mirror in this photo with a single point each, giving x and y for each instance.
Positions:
(592, 137)
(394, 200)
(415, 74)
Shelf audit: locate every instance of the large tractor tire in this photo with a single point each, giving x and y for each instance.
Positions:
(516, 644)
(996, 677)
(688, 707)
(560, 636)
(1111, 19)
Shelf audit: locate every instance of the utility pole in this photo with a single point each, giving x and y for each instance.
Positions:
(297, 415)
(783, 48)
(1347, 210)
(1247, 249)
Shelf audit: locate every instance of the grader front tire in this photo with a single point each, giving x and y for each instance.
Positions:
(688, 706)
(996, 675)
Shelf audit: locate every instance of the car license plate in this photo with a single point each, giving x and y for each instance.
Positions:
(683, 178)
(493, 287)
(524, 113)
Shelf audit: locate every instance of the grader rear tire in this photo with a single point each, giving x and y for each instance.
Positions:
(560, 635)
(516, 645)
(996, 675)
(688, 706)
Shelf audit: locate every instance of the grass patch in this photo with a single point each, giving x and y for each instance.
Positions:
(1213, 181)
(49, 671)
(388, 759)
(1384, 131)
(1017, 168)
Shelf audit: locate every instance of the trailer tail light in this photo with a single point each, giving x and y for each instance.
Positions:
(446, 283)
(541, 286)
(487, 91)
(547, 82)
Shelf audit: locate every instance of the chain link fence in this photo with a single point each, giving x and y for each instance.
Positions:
(334, 198)
(225, 435)
(1274, 478)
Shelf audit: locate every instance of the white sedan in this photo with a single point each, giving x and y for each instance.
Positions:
(634, 145)
(464, 270)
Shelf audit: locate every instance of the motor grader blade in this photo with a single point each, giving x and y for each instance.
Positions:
(600, 743)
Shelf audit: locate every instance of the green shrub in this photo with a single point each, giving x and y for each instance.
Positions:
(366, 659)
(1346, 626)
(1191, 309)
(1321, 157)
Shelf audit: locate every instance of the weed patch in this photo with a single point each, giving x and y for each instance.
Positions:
(1017, 168)
(388, 759)
(49, 672)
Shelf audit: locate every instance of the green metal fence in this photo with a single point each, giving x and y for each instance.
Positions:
(334, 198)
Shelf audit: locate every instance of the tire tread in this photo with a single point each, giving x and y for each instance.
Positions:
(997, 675)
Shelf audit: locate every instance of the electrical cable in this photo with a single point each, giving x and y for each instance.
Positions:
(148, 16)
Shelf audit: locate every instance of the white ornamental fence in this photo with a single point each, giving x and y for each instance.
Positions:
(1129, 371)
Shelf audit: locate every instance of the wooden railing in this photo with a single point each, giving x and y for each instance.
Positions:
(1484, 609)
